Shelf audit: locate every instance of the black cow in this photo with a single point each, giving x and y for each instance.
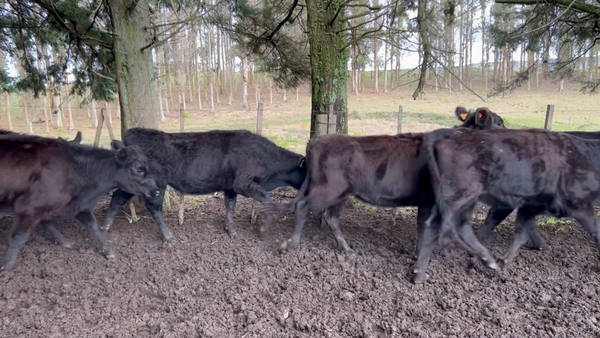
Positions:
(496, 214)
(44, 179)
(536, 171)
(232, 161)
(49, 225)
(383, 170)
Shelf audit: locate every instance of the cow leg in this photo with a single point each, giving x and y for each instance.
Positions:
(525, 219)
(230, 198)
(588, 219)
(537, 242)
(56, 235)
(19, 235)
(494, 217)
(301, 212)
(470, 242)
(155, 205)
(431, 230)
(90, 223)
(332, 218)
(423, 213)
(257, 192)
(119, 198)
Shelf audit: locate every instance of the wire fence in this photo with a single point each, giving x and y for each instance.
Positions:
(288, 128)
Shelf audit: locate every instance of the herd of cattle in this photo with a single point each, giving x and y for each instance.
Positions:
(444, 173)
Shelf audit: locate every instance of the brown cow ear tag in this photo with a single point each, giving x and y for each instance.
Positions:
(463, 116)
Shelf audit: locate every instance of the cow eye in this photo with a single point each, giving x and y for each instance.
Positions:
(141, 170)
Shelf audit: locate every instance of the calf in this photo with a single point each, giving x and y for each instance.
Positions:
(232, 161)
(496, 214)
(49, 225)
(383, 170)
(43, 179)
(536, 171)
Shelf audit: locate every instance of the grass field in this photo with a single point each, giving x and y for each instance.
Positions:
(287, 123)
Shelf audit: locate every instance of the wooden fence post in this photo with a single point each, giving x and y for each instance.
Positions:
(259, 117)
(399, 126)
(108, 123)
(549, 117)
(99, 129)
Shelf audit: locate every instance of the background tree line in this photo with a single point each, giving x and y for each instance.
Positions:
(154, 56)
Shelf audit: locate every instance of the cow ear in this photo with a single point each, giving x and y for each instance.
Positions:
(117, 145)
(77, 138)
(462, 113)
(121, 156)
(481, 116)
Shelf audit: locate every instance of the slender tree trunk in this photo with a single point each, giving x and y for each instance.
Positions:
(376, 65)
(244, 81)
(461, 53)
(284, 99)
(591, 65)
(160, 101)
(270, 91)
(69, 112)
(46, 122)
(530, 57)
(385, 60)
(7, 109)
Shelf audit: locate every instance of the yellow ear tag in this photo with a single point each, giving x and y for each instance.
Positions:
(463, 116)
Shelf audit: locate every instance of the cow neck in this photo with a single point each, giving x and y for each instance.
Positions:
(97, 168)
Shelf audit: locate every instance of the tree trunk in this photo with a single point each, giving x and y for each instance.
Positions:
(69, 112)
(530, 57)
(376, 66)
(483, 44)
(134, 69)
(244, 81)
(505, 64)
(46, 122)
(270, 91)
(449, 47)
(461, 52)
(328, 60)
(385, 63)
(7, 109)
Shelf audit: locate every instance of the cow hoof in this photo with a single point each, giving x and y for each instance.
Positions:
(168, 237)
(540, 247)
(420, 278)
(110, 256)
(346, 249)
(287, 245)
(493, 265)
(231, 232)
(7, 266)
(67, 245)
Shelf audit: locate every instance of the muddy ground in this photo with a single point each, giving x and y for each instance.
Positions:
(208, 285)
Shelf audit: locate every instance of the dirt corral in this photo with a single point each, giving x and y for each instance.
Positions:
(208, 285)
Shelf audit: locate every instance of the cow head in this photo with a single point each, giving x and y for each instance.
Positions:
(134, 166)
(481, 119)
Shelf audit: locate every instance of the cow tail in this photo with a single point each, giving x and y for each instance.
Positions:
(447, 231)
